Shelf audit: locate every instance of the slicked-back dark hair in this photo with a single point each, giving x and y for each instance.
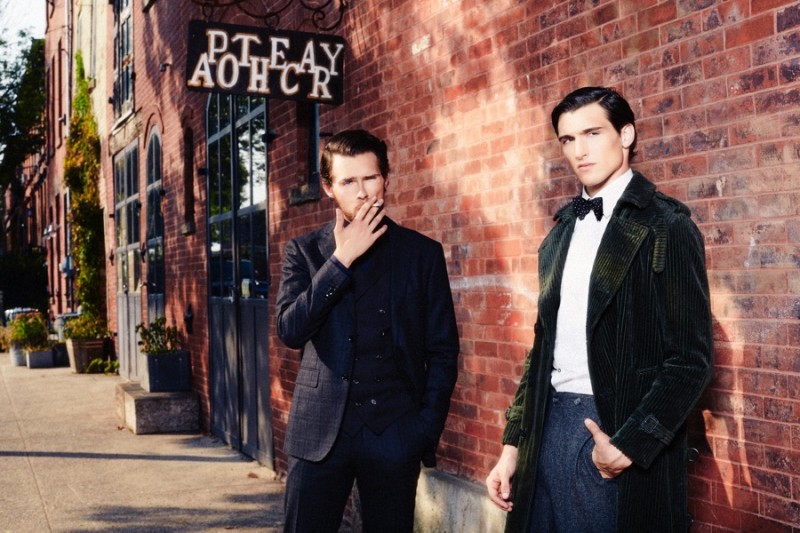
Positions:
(617, 109)
(352, 143)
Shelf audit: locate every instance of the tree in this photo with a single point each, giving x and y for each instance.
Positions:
(22, 104)
(23, 278)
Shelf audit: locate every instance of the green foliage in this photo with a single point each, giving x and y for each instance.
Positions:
(29, 331)
(82, 164)
(5, 339)
(22, 105)
(82, 176)
(158, 337)
(86, 327)
(100, 365)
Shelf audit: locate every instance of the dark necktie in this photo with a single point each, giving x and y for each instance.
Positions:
(582, 206)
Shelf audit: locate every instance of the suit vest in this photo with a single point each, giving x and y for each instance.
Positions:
(378, 393)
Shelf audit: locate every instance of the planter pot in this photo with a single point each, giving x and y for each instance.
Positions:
(60, 355)
(39, 358)
(81, 352)
(165, 372)
(17, 355)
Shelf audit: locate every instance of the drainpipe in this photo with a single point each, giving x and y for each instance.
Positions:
(68, 25)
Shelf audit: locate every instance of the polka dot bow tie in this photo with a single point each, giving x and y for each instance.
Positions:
(582, 206)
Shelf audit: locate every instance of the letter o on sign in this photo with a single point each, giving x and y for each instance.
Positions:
(227, 64)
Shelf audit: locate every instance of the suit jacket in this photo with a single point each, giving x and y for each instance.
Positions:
(316, 312)
(649, 340)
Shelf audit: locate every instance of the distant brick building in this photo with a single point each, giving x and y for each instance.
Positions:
(202, 190)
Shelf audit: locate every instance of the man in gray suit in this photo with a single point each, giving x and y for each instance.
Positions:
(369, 304)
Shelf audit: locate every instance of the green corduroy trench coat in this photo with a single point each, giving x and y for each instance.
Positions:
(649, 339)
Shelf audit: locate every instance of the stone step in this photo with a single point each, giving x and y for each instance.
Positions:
(157, 412)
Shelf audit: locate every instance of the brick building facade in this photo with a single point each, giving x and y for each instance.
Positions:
(462, 91)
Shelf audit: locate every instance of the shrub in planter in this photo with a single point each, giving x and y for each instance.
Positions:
(166, 366)
(158, 337)
(29, 332)
(86, 337)
(85, 326)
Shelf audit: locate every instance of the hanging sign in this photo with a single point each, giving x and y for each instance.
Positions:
(257, 61)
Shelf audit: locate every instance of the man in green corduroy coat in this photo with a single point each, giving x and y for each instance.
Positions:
(596, 436)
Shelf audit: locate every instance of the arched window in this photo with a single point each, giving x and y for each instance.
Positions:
(155, 229)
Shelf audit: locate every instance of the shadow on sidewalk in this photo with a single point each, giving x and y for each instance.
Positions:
(264, 515)
(116, 456)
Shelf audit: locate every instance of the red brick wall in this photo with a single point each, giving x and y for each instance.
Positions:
(462, 91)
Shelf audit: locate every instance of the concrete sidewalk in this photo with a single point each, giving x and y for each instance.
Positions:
(66, 466)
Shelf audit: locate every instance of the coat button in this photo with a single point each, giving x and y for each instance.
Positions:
(692, 455)
(344, 378)
(358, 404)
(373, 401)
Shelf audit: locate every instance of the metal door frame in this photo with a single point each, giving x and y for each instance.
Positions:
(238, 355)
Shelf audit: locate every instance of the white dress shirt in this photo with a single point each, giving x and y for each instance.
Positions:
(571, 363)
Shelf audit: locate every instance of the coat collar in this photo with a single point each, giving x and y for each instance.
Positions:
(625, 233)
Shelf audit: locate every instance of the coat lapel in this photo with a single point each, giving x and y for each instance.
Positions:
(621, 240)
(327, 244)
(620, 243)
(395, 255)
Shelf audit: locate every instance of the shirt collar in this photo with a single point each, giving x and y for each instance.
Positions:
(612, 192)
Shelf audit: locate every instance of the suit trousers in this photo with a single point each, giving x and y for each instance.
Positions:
(385, 468)
(571, 496)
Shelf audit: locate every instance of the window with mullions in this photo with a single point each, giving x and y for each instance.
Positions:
(155, 229)
(123, 57)
(126, 217)
(237, 192)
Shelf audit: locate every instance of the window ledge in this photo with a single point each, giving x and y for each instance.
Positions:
(307, 192)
